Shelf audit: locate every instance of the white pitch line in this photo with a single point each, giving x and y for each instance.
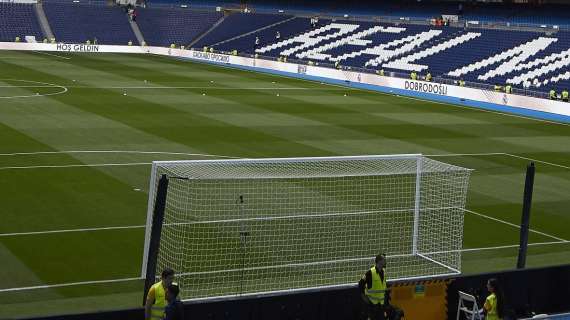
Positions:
(42, 86)
(68, 231)
(64, 89)
(497, 154)
(539, 161)
(53, 55)
(205, 88)
(496, 248)
(216, 156)
(513, 225)
(466, 154)
(515, 246)
(78, 165)
(116, 151)
(69, 284)
(138, 278)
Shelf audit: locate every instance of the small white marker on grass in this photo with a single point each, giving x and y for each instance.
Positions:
(203, 94)
(137, 189)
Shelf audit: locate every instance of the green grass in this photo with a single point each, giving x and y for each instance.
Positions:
(239, 116)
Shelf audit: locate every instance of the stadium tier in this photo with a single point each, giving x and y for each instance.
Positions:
(532, 60)
(242, 23)
(18, 20)
(72, 22)
(165, 26)
(535, 60)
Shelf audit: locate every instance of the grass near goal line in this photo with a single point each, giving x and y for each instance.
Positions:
(102, 106)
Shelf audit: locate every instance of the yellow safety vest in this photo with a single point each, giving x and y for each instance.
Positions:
(492, 313)
(157, 311)
(376, 293)
(564, 94)
(552, 94)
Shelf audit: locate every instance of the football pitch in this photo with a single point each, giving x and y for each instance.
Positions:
(78, 134)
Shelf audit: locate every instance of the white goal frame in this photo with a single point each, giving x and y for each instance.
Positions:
(414, 250)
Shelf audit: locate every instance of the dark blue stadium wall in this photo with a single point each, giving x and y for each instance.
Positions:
(543, 290)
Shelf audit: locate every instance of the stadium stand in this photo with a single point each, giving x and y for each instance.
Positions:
(19, 20)
(535, 60)
(245, 43)
(241, 23)
(166, 26)
(523, 58)
(78, 23)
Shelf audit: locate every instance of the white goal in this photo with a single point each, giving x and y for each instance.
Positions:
(259, 226)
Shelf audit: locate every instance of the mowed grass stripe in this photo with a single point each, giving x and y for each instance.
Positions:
(109, 254)
(48, 199)
(323, 128)
(292, 107)
(183, 127)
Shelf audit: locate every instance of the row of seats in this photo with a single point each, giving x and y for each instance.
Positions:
(77, 22)
(166, 26)
(551, 14)
(523, 59)
(238, 24)
(18, 20)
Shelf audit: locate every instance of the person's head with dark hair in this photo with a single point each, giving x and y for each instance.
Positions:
(172, 292)
(380, 261)
(493, 286)
(167, 276)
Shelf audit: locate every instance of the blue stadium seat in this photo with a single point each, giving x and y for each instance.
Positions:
(445, 49)
(78, 22)
(165, 26)
(238, 24)
(19, 20)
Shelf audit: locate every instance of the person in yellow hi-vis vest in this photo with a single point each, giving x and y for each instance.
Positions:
(494, 304)
(156, 298)
(373, 288)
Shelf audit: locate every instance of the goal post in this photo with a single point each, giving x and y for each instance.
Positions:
(263, 226)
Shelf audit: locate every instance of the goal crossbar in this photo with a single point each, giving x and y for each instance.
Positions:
(294, 216)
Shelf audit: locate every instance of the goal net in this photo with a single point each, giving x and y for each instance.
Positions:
(258, 226)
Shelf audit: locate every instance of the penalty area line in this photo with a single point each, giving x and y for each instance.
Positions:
(116, 151)
(514, 225)
(59, 285)
(12, 234)
(69, 284)
(78, 165)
